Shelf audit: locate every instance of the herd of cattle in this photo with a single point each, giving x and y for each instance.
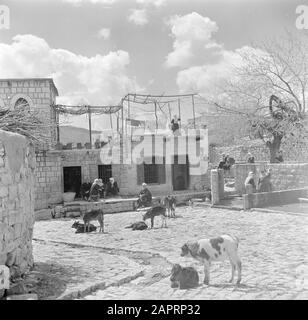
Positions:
(204, 250)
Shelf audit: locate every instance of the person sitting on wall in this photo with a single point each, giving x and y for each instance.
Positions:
(175, 127)
(264, 182)
(96, 189)
(145, 197)
(112, 188)
(250, 158)
(279, 157)
(250, 185)
(269, 186)
(222, 163)
(85, 190)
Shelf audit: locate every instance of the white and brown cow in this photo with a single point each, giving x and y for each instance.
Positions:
(215, 249)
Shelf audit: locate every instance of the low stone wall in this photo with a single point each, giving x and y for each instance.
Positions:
(284, 175)
(265, 199)
(17, 179)
(239, 153)
(259, 151)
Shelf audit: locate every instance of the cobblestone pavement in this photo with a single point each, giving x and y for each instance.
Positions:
(80, 268)
(273, 248)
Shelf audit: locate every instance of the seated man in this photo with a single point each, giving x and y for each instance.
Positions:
(112, 188)
(85, 190)
(145, 197)
(96, 190)
(222, 162)
(175, 127)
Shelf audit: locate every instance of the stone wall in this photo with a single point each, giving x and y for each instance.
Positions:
(266, 199)
(17, 178)
(284, 175)
(48, 186)
(40, 95)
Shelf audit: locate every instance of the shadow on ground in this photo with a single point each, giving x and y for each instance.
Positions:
(49, 280)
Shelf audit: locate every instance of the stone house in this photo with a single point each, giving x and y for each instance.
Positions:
(59, 171)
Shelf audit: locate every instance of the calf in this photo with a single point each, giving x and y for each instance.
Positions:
(80, 227)
(184, 277)
(140, 225)
(93, 215)
(156, 211)
(215, 249)
(170, 203)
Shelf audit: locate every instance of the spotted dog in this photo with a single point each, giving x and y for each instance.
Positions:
(215, 249)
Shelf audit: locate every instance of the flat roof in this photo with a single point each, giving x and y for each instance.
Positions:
(33, 79)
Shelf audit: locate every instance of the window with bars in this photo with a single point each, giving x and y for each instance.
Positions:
(151, 172)
(105, 172)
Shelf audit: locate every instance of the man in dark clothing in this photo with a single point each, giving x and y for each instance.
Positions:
(145, 197)
(112, 188)
(222, 162)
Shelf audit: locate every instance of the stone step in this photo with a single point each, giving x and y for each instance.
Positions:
(303, 200)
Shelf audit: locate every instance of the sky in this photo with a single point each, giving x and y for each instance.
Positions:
(98, 50)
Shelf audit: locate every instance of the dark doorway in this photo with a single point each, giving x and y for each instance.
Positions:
(105, 172)
(180, 173)
(72, 179)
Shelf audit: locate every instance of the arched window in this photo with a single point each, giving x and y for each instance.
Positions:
(22, 104)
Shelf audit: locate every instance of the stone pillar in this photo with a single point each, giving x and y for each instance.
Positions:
(217, 185)
(17, 179)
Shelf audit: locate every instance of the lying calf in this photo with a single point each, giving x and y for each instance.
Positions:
(215, 249)
(184, 278)
(141, 225)
(80, 227)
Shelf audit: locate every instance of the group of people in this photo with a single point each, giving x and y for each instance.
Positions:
(264, 182)
(226, 163)
(99, 190)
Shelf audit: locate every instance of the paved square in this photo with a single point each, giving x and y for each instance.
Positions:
(273, 249)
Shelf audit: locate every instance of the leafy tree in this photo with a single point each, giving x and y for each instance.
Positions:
(269, 88)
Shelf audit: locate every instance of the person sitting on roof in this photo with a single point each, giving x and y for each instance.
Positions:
(175, 127)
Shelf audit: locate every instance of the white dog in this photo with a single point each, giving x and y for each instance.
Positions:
(215, 249)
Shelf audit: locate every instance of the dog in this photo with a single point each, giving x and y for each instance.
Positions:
(141, 225)
(80, 227)
(184, 277)
(156, 211)
(170, 203)
(215, 249)
(93, 215)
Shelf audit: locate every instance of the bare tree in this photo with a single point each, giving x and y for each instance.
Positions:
(270, 90)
